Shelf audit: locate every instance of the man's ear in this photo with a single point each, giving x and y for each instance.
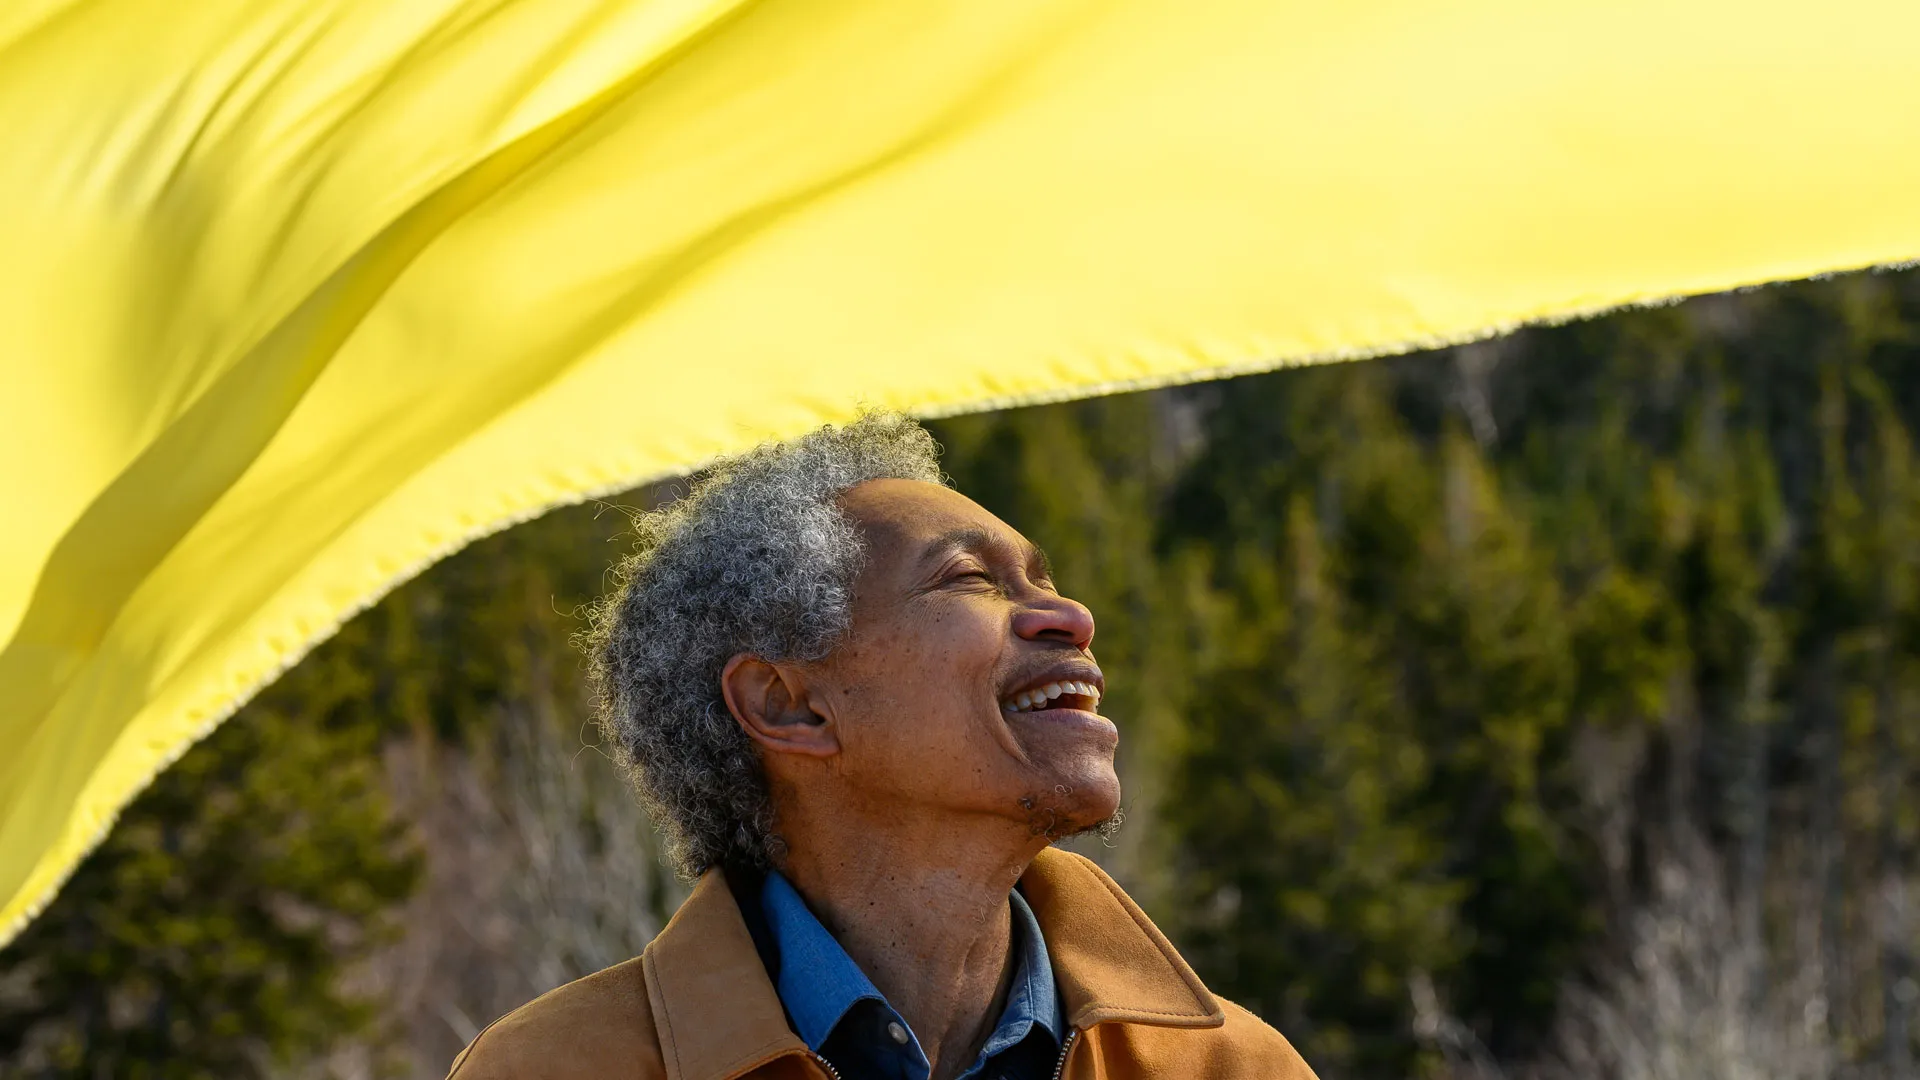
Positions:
(769, 702)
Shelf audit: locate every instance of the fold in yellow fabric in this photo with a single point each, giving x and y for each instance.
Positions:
(298, 296)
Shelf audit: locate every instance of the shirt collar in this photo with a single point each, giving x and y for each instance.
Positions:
(1032, 999)
(819, 982)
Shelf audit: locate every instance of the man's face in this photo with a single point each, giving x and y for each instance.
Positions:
(955, 617)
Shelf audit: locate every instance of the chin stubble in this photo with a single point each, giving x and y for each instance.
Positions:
(1047, 820)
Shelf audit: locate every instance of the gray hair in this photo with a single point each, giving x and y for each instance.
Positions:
(758, 558)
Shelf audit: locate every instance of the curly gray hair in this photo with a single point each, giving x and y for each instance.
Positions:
(758, 558)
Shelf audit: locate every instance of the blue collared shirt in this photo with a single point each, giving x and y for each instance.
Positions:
(838, 1012)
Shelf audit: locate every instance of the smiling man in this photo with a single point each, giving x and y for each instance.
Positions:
(862, 712)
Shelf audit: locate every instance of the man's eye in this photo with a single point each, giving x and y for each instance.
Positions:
(964, 575)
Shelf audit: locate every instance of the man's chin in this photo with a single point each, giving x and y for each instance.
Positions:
(1073, 809)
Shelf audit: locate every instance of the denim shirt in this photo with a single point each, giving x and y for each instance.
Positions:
(838, 1012)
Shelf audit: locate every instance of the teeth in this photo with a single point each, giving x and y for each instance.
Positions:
(1029, 700)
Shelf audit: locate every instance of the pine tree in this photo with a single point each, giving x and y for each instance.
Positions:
(217, 929)
(208, 935)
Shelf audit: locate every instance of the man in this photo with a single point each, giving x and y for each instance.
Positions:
(862, 712)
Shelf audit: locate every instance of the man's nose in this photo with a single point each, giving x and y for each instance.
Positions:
(1055, 618)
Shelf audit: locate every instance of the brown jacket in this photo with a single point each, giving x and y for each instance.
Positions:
(697, 1003)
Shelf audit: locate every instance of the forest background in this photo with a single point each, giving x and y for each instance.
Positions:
(1547, 706)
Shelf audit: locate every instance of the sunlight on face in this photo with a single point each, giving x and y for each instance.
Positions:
(967, 681)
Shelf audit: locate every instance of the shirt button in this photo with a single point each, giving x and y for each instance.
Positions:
(896, 1032)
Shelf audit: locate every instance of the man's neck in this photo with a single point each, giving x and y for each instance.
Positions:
(928, 920)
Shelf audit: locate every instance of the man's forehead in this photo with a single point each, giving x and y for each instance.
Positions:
(919, 519)
(909, 507)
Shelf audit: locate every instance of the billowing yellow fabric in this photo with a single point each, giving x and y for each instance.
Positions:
(297, 296)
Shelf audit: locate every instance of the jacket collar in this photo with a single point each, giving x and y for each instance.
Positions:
(1112, 963)
(719, 1016)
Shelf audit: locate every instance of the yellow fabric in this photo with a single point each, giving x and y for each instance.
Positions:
(300, 295)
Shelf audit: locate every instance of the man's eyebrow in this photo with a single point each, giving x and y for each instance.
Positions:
(968, 538)
(962, 539)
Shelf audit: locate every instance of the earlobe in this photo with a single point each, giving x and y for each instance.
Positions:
(771, 704)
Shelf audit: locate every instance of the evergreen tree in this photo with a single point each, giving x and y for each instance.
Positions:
(1598, 585)
(216, 930)
(207, 936)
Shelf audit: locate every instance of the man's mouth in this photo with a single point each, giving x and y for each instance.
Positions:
(1063, 694)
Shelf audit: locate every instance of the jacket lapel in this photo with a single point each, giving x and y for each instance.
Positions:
(716, 1012)
(1111, 962)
